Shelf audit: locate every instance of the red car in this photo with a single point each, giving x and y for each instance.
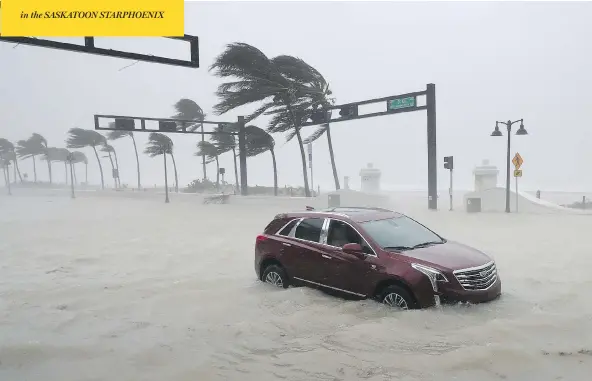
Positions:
(373, 253)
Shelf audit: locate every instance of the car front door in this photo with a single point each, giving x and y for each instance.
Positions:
(347, 272)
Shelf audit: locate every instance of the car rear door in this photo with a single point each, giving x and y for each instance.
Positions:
(307, 257)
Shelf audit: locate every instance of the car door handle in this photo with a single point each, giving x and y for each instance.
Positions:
(286, 244)
(326, 256)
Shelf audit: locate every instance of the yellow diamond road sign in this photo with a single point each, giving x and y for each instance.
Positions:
(517, 173)
(517, 161)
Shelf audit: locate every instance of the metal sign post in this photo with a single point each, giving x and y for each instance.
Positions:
(517, 161)
(449, 164)
(310, 166)
(179, 126)
(394, 104)
(517, 174)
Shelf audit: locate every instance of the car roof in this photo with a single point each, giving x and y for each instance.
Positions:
(356, 214)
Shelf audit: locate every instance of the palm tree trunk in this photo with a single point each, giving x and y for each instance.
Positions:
(275, 184)
(335, 177)
(302, 153)
(100, 168)
(74, 174)
(203, 157)
(217, 173)
(235, 170)
(303, 157)
(17, 170)
(176, 178)
(166, 181)
(113, 168)
(137, 162)
(66, 171)
(117, 165)
(34, 168)
(86, 173)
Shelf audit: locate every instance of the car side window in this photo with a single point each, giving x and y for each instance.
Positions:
(310, 229)
(288, 228)
(341, 233)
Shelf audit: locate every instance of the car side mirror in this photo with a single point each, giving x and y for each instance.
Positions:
(354, 249)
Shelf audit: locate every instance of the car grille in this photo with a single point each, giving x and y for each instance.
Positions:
(477, 278)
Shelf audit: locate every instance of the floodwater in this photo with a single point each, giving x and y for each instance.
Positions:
(130, 288)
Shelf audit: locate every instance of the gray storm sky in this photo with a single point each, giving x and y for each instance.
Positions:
(489, 61)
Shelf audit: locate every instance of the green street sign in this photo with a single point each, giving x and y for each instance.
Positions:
(395, 104)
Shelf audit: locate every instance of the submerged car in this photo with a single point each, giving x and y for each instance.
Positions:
(373, 253)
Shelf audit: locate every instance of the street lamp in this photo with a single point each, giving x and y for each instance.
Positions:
(497, 132)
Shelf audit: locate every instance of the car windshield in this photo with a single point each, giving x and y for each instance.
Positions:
(400, 233)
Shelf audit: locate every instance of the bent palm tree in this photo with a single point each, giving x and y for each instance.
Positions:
(114, 135)
(51, 154)
(320, 131)
(30, 148)
(114, 167)
(160, 144)
(174, 166)
(211, 152)
(63, 155)
(226, 142)
(40, 140)
(285, 84)
(190, 110)
(80, 138)
(259, 141)
(79, 157)
(8, 151)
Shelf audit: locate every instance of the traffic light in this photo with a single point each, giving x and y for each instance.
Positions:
(449, 162)
(348, 111)
(167, 126)
(320, 116)
(125, 124)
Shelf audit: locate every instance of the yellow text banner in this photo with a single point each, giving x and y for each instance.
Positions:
(80, 18)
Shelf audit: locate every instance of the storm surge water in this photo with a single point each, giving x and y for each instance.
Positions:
(110, 287)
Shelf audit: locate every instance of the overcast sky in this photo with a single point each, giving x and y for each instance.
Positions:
(489, 61)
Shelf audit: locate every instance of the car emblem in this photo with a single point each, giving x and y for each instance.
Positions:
(483, 273)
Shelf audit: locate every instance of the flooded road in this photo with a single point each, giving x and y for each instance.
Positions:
(117, 288)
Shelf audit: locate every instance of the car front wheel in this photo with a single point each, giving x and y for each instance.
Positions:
(275, 275)
(397, 297)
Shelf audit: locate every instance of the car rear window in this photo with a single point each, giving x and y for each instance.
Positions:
(310, 229)
(288, 228)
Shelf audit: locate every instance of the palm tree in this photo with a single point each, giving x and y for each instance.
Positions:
(160, 144)
(118, 134)
(80, 138)
(80, 157)
(50, 154)
(285, 84)
(190, 110)
(257, 142)
(38, 139)
(211, 152)
(63, 155)
(174, 164)
(4, 168)
(109, 149)
(226, 142)
(325, 129)
(8, 151)
(31, 148)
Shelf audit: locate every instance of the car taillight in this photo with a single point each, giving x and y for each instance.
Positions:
(261, 238)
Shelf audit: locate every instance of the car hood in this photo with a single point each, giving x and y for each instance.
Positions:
(449, 256)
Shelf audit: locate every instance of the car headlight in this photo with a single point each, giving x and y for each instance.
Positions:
(434, 275)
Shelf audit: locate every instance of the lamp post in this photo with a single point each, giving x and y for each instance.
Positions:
(497, 132)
